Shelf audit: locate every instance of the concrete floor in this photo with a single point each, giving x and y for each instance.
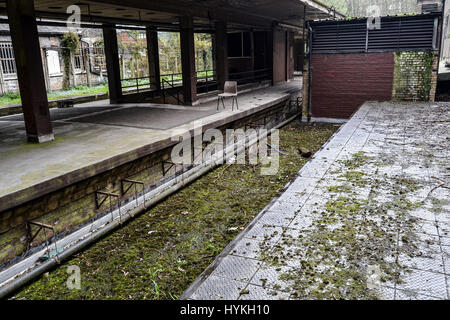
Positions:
(367, 218)
(95, 137)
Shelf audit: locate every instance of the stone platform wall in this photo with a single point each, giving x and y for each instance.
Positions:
(74, 206)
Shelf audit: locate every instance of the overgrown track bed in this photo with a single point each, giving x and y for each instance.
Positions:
(161, 252)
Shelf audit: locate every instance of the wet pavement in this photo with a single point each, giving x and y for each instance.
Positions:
(368, 217)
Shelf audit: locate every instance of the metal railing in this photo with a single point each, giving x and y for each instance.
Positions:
(165, 92)
(171, 84)
(137, 83)
(173, 79)
(206, 79)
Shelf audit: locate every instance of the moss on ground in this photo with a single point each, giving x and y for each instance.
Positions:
(160, 253)
(350, 235)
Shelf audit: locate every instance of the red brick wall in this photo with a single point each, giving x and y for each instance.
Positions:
(341, 83)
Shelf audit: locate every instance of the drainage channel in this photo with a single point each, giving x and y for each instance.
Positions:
(31, 267)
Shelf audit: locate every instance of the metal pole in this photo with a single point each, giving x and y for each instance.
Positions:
(310, 72)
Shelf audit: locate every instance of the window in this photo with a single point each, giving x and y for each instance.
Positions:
(78, 60)
(8, 63)
(239, 44)
(53, 64)
(98, 61)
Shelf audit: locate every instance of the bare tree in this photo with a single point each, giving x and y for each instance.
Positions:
(358, 8)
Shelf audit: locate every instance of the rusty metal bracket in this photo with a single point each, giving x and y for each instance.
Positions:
(31, 236)
(99, 203)
(132, 183)
(107, 195)
(172, 164)
(164, 170)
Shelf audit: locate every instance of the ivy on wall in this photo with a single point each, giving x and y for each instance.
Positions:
(69, 45)
(413, 75)
(425, 76)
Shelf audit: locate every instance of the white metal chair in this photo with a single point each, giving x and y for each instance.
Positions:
(229, 90)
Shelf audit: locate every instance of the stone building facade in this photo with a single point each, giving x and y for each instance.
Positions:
(50, 41)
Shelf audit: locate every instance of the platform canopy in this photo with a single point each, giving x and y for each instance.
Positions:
(165, 14)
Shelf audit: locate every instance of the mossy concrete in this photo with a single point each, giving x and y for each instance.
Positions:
(366, 218)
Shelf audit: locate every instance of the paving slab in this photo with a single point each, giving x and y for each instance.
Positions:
(369, 216)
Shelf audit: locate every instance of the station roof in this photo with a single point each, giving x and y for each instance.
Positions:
(42, 30)
(165, 14)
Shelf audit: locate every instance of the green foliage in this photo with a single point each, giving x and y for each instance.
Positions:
(358, 8)
(70, 41)
(425, 76)
(14, 98)
(340, 5)
(9, 98)
(133, 53)
(169, 52)
(203, 51)
(99, 43)
(69, 45)
(413, 75)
